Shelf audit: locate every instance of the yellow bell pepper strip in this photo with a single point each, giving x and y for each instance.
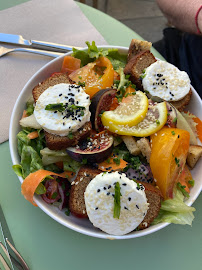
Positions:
(169, 148)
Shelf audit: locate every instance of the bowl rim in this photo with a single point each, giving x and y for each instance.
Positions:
(44, 206)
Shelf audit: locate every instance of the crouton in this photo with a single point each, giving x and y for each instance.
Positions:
(76, 200)
(154, 198)
(136, 66)
(145, 148)
(137, 46)
(194, 154)
(131, 144)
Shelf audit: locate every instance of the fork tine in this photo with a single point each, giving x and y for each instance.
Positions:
(5, 265)
(22, 261)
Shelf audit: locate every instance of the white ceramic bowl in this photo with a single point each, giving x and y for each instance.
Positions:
(83, 225)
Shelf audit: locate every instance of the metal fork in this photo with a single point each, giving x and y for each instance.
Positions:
(4, 51)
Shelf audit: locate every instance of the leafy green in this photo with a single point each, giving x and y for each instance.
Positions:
(40, 189)
(30, 108)
(182, 189)
(93, 53)
(117, 201)
(52, 156)
(71, 165)
(175, 210)
(30, 160)
(18, 169)
(122, 84)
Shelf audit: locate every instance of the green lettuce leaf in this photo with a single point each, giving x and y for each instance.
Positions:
(93, 53)
(30, 160)
(51, 156)
(18, 169)
(175, 211)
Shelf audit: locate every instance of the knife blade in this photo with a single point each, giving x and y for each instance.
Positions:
(19, 40)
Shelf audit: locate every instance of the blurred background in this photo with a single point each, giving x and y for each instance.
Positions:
(142, 16)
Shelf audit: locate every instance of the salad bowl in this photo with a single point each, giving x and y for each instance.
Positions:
(77, 224)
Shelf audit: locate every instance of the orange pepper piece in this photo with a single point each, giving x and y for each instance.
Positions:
(169, 148)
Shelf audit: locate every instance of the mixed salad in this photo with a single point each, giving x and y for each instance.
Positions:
(136, 138)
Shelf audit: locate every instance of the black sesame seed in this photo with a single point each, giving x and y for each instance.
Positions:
(104, 188)
(125, 208)
(109, 186)
(129, 198)
(137, 206)
(60, 95)
(124, 184)
(96, 208)
(108, 193)
(55, 111)
(178, 136)
(98, 190)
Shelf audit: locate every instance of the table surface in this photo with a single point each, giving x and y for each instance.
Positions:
(46, 244)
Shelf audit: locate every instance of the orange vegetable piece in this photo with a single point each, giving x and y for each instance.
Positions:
(169, 148)
(184, 178)
(113, 163)
(70, 64)
(116, 76)
(24, 114)
(198, 127)
(33, 135)
(32, 181)
(96, 76)
(114, 104)
(130, 90)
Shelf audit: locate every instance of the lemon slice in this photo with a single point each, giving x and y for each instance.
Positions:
(130, 111)
(155, 119)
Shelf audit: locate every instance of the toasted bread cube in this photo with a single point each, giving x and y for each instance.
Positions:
(145, 148)
(194, 153)
(131, 144)
(137, 46)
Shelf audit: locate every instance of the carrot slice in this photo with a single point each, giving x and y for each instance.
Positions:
(24, 114)
(198, 127)
(32, 181)
(112, 164)
(33, 135)
(184, 178)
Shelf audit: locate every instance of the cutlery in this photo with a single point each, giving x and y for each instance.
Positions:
(19, 40)
(4, 51)
(14, 256)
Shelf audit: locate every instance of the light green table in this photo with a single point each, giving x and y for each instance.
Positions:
(47, 245)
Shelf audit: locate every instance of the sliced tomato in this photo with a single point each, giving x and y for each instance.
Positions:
(94, 76)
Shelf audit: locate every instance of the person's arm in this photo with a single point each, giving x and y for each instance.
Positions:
(181, 13)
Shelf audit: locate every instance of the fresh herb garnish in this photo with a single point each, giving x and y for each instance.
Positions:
(60, 107)
(117, 201)
(116, 161)
(70, 135)
(55, 107)
(175, 120)
(177, 161)
(67, 212)
(182, 189)
(84, 161)
(173, 132)
(82, 84)
(191, 182)
(54, 195)
(157, 122)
